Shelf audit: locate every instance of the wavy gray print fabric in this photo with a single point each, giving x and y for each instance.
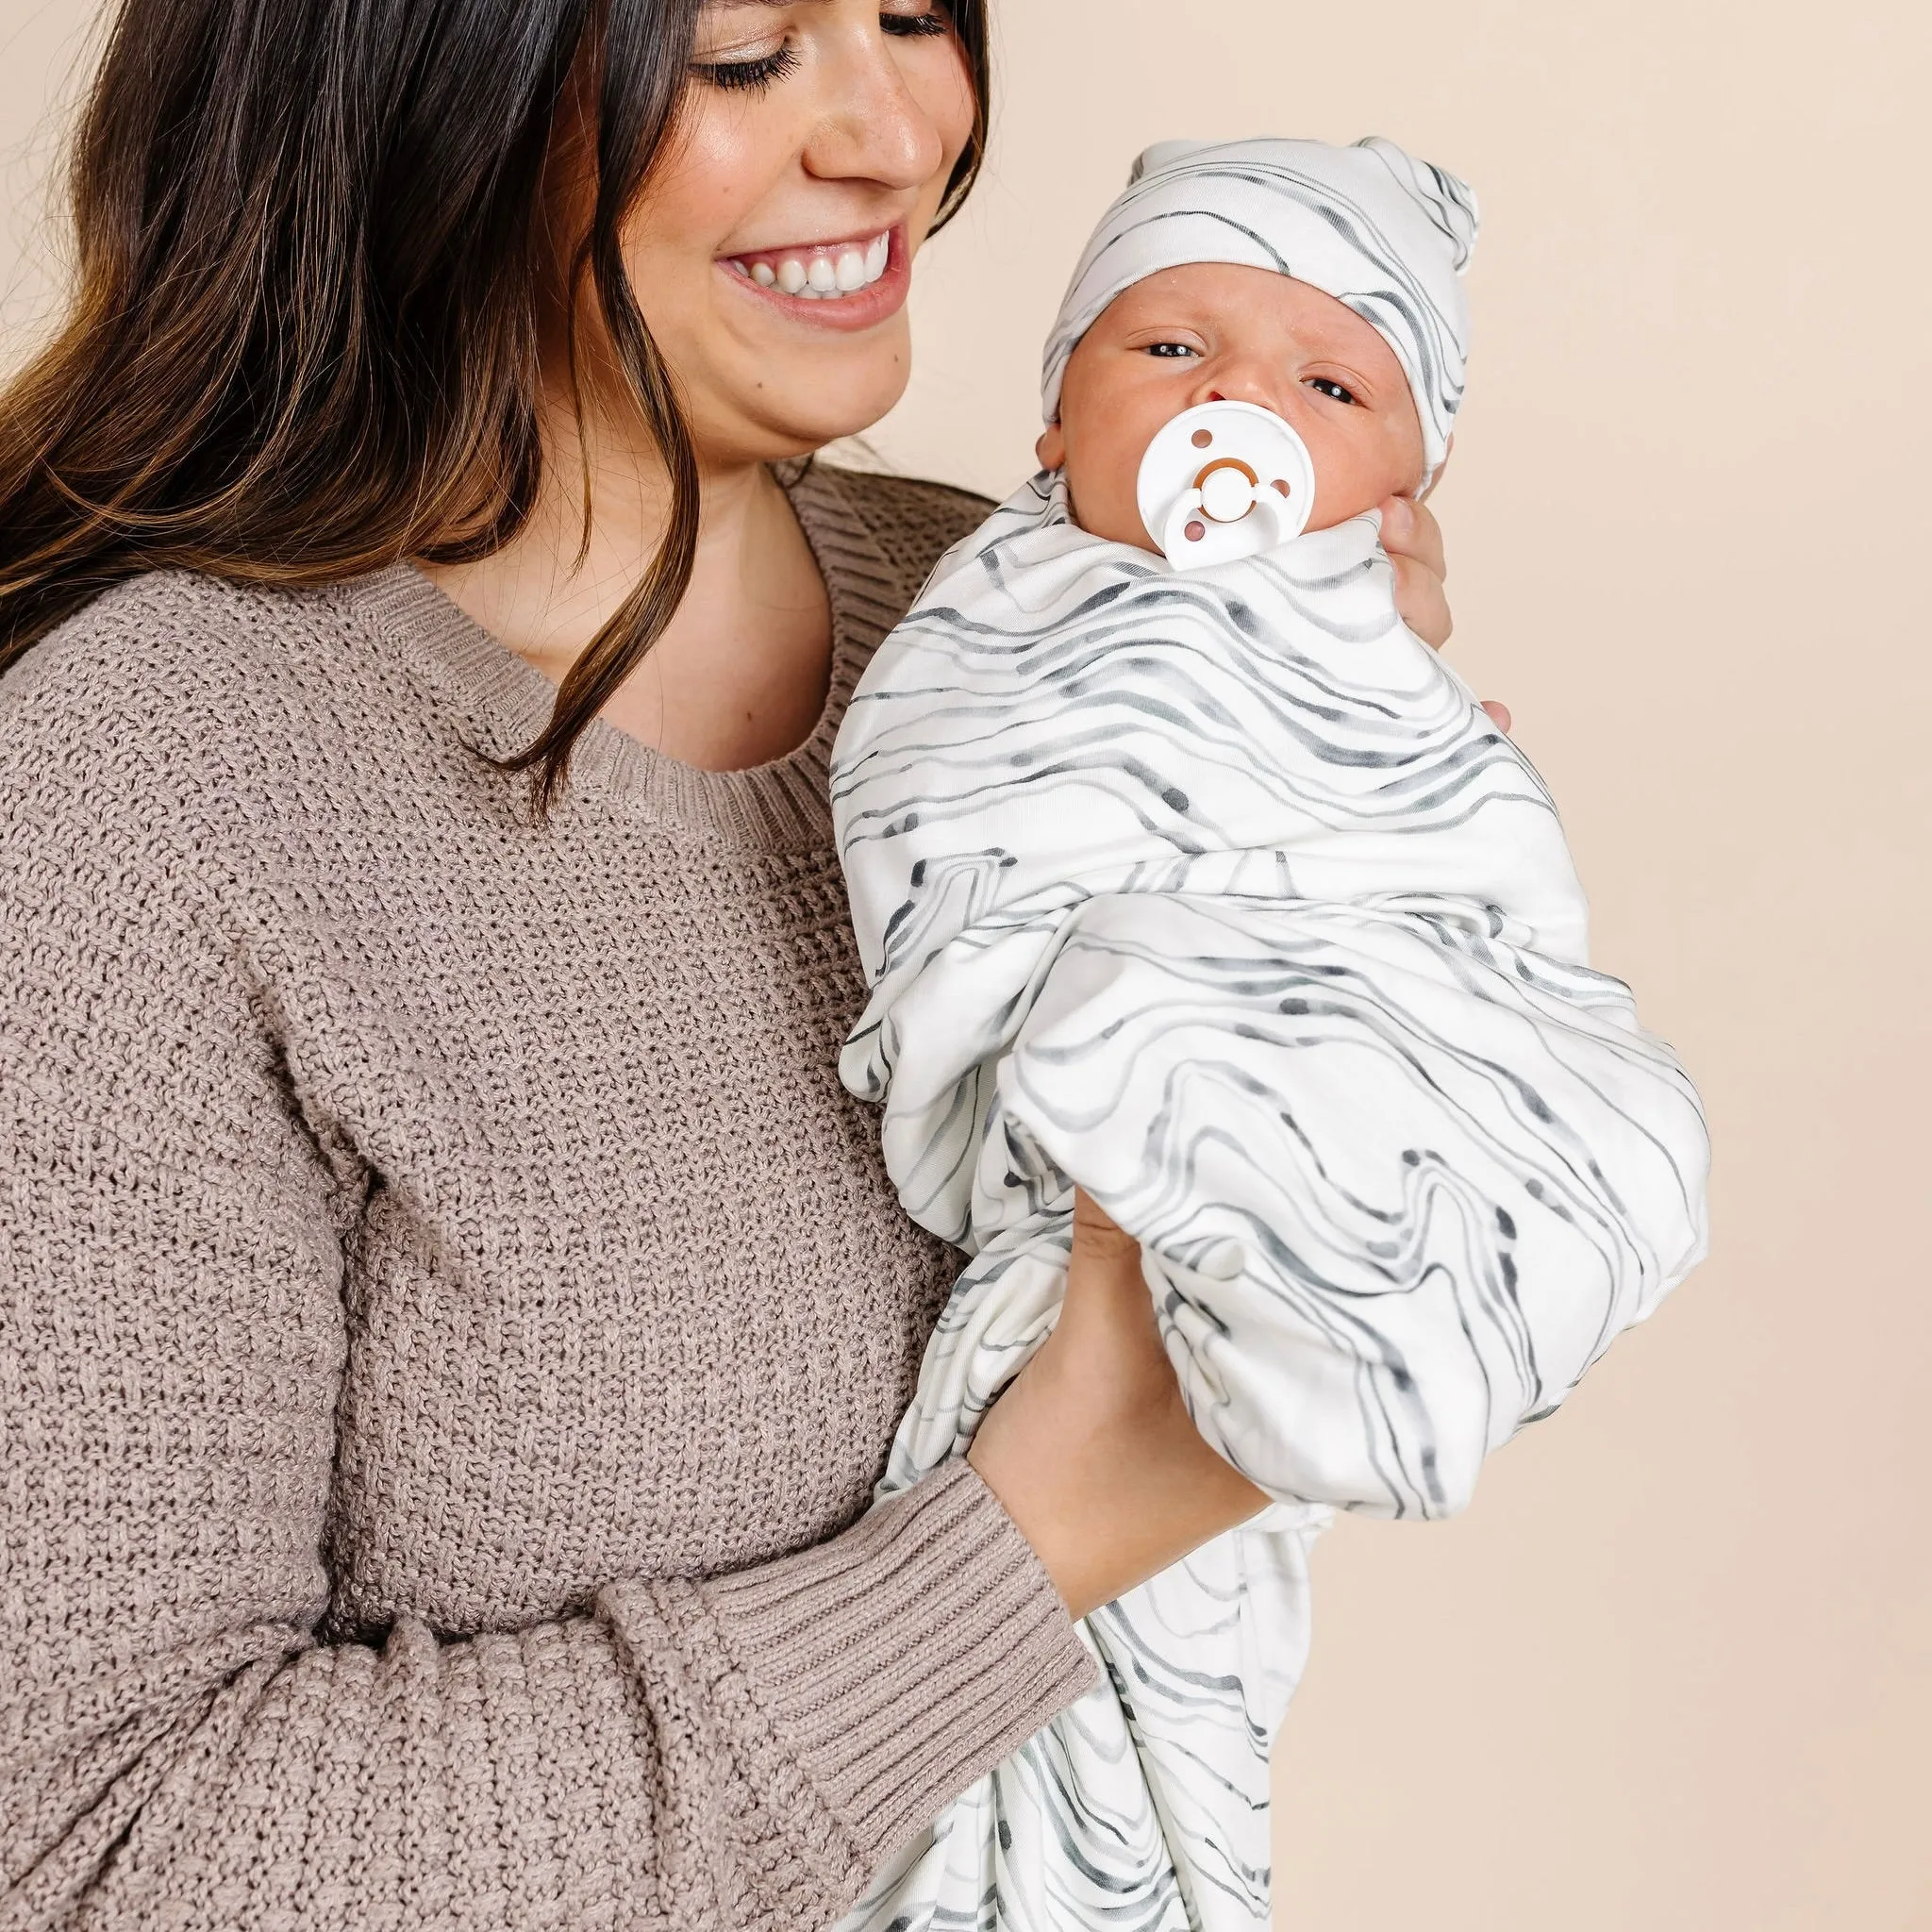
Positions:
(1216, 893)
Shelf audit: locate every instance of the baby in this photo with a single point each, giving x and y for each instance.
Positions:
(1183, 873)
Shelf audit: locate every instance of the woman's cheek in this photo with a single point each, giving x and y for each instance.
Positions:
(714, 179)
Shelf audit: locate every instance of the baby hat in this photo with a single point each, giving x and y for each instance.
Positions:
(1388, 235)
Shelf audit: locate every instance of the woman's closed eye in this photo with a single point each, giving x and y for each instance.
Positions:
(755, 72)
(759, 71)
(933, 20)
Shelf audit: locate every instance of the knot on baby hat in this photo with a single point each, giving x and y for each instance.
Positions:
(1379, 230)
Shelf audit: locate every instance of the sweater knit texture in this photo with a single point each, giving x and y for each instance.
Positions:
(451, 1317)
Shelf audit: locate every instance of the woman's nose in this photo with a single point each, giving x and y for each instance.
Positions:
(875, 127)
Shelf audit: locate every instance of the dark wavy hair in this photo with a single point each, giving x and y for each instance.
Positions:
(303, 338)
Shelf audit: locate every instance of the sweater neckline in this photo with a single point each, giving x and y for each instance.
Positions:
(499, 701)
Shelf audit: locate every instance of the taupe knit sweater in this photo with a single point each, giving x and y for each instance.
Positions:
(451, 1318)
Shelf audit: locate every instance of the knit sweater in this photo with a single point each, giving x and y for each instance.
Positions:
(451, 1317)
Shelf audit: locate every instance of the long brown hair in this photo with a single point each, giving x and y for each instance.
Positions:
(302, 340)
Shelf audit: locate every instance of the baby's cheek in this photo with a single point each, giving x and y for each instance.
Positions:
(1357, 468)
(1104, 451)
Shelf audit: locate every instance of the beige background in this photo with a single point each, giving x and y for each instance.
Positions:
(1674, 1668)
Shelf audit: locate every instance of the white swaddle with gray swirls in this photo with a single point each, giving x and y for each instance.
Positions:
(1216, 892)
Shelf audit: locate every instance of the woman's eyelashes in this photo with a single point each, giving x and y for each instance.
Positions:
(758, 72)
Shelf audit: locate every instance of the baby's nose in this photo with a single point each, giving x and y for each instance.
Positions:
(1240, 386)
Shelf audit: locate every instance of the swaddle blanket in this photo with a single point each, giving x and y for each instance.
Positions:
(1218, 894)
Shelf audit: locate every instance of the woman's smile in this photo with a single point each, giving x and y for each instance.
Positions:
(851, 283)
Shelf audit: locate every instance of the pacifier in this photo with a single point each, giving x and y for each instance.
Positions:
(1222, 481)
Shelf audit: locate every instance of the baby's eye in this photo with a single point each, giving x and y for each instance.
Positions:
(1171, 349)
(1322, 386)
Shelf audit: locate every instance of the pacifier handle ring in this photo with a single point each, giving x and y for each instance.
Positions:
(1247, 470)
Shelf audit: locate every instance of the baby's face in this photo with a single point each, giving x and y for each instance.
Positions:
(1212, 332)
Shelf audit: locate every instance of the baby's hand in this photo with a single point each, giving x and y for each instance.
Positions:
(1413, 540)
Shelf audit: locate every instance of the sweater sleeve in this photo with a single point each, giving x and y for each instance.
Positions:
(180, 1743)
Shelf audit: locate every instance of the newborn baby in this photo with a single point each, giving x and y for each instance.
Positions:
(1212, 890)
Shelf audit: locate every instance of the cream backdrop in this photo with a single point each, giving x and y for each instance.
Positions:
(1673, 1671)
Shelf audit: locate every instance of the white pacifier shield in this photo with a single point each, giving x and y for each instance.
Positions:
(1224, 480)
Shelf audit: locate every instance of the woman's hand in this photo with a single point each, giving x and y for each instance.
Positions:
(1413, 540)
(1092, 1451)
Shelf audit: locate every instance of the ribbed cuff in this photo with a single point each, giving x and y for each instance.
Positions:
(891, 1666)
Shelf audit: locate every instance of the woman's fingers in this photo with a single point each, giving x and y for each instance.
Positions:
(1413, 540)
(1422, 602)
(1107, 1319)
(1092, 1227)
(1106, 1261)
(1410, 529)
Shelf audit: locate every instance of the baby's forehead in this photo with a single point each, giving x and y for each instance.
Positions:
(1233, 296)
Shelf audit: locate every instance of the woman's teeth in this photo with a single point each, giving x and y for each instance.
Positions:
(820, 275)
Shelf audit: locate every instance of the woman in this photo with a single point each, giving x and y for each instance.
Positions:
(454, 1316)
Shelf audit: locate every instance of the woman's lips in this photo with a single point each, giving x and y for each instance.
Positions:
(847, 284)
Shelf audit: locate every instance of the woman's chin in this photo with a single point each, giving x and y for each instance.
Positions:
(766, 439)
(795, 416)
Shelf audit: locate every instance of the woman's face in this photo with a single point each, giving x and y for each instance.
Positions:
(771, 251)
